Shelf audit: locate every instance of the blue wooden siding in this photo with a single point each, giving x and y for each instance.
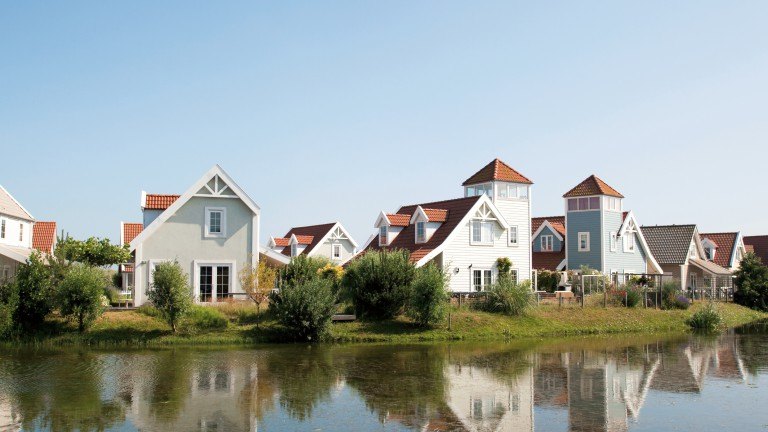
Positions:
(619, 260)
(586, 221)
(557, 244)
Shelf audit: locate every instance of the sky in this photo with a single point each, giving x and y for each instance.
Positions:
(326, 111)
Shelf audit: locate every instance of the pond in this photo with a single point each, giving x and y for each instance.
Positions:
(637, 383)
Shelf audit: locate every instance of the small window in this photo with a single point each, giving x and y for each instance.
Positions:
(573, 204)
(336, 253)
(21, 232)
(421, 232)
(482, 232)
(513, 235)
(513, 275)
(294, 250)
(594, 203)
(482, 279)
(629, 242)
(6, 274)
(215, 222)
(2, 229)
(382, 235)
(522, 192)
(583, 203)
(546, 243)
(583, 242)
(614, 242)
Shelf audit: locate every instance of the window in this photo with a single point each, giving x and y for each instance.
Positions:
(482, 232)
(513, 275)
(692, 281)
(214, 282)
(584, 204)
(573, 204)
(222, 282)
(21, 232)
(692, 251)
(215, 222)
(479, 190)
(421, 232)
(2, 229)
(206, 283)
(6, 274)
(513, 235)
(546, 243)
(336, 252)
(629, 242)
(294, 250)
(583, 242)
(511, 190)
(382, 235)
(613, 204)
(614, 242)
(482, 279)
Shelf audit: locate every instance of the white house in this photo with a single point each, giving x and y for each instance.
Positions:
(211, 230)
(329, 240)
(467, 235)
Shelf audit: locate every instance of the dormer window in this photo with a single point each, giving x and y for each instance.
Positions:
(294, 250)
(421, 232)
(546, 243)
(383, 231)
(709, 252)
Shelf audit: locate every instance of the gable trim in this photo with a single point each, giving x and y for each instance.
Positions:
(328, 234)
(541, 228)
(643, 243)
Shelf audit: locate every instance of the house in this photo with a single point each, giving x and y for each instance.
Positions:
(467, 235)
(211, 230)
(757, 245)
(680, 252)
(20, 235)
(329, 240)
(601, 235)
(548, 243)
(725, 249)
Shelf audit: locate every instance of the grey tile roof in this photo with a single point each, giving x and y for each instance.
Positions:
(669, 244)
(9, 206)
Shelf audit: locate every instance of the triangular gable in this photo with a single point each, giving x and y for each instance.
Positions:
(216, 172)
(630, 223)
(419, 215)
(338, 233)
(382, 220)
(14, 207)
(544, 225)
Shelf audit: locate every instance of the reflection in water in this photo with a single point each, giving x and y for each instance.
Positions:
(585, 385)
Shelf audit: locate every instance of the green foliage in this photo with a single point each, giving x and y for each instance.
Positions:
(508, 298)
(31, 293)
(429, 298)
(503, 265)
(379, 283)
(205, 318)
(6, 320)
(305, 309)
(547, 280)
(94, 251)
(752, 283)
(170, 292)
(708, 318)
(632, 298)
(302, 269)
(80, 295)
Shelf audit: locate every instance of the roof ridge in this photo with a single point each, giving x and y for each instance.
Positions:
(670, 225)
(547, 217)
(476, 197)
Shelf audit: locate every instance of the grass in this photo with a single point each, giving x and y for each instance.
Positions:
(544, 321)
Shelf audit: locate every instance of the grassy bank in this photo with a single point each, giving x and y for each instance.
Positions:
(545, 321)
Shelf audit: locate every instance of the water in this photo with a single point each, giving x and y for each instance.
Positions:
(610, 384)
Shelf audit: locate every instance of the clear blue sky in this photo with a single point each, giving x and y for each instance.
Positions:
(329, 111)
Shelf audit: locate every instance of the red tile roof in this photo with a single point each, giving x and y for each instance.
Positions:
(557, 222)
(547, 260)
(308, 235)
(759, 246)
(44, 236)
(159, 202)
(282, 242)
(724, 244)
(436, 215)
(455, 209)
(402, 220)
(592, 185)
(130, 231)
(497, 170)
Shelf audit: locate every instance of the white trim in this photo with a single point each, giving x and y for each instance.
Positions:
(269, 253)
(488, 242)
(643, 242)
(516, 243)
(336, 226)
(739, 242)
(482, 278)
(551, 243)
(578, 241)
(562, 264)
(233, 281)
(625, 241)
(222, 222)
(382, 219)
(423, 239)
(419, 213)
(546, 224)
(170, 211)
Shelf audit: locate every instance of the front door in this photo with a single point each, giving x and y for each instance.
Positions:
(214, 283)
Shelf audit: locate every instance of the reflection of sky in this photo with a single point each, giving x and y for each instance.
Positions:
(550, 419)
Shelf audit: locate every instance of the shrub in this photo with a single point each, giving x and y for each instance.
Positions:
(33, 293)
(170, 292)
(547, 280)
(6, 320)
(707, 318)
(202, 318)
(503, 266)
(379, 283)
(682, 302)
(258, 283)
(429, 299)
(301, 269)
(752, 283)
(669, 295)
(507, 297)
(305, 309)
(632, 298)
(112, 294)
(80, 295)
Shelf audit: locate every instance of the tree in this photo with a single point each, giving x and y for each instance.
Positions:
(81, 294)
(170, 292)
(94, 251)
(429, 298)
(258, 283)
(302, 269)
(752, 283)
(306, 309)
(379, 283)
(31, 294)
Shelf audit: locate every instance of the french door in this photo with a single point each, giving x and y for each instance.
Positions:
(214, 283)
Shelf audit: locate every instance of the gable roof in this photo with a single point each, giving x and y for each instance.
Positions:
(157, 201)
(725, 244)
(592, 185)
(759, 246)
(399, 219)
(669, 244)
(456, 210)
(281, 241)
(44, 236)
(129, 231)
(496, 170)
(556, 222)
(9, 206)
(629, 222)
(310, 235)
(216, 170)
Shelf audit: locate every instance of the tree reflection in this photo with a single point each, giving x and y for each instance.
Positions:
(169, 384)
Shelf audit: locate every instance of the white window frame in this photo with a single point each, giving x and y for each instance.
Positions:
(336, 251)
(213, 263)
(512, 191)
(613, 204)
(514, 235)
(487, 188)
(629, 241)
(614, 246)
(547, 243)
(208, 212)
(482, 241)
(578, 241)
(483, 284)
(423, 237)
(385, 230)
(294, 249)
(514, 274)
(2, 228)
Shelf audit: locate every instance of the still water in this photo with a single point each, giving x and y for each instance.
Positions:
(695, 383)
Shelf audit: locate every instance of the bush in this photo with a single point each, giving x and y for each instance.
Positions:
(669, 295)
(379, 283)
(633, 298)
(170, 292)
(429, 299)
(202, 318)
(682, 302)
(80, 295)
(508, 297)
(707, 318)
(301, 270)
(32, 293)
(547, 280)
(752, 283)
(305, 309)
(6, 320)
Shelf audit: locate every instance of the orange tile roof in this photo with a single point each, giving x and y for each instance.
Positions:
(282, 242)
(307, 235)
(725, 243)
(304, 239)
(436, 215)
(592, 185)
(131, 230)
(159, 202)
(497, 170)
(44, 236)
(399, 219)
(557, 222)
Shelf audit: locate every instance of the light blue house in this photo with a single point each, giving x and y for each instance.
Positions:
(601, 235)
